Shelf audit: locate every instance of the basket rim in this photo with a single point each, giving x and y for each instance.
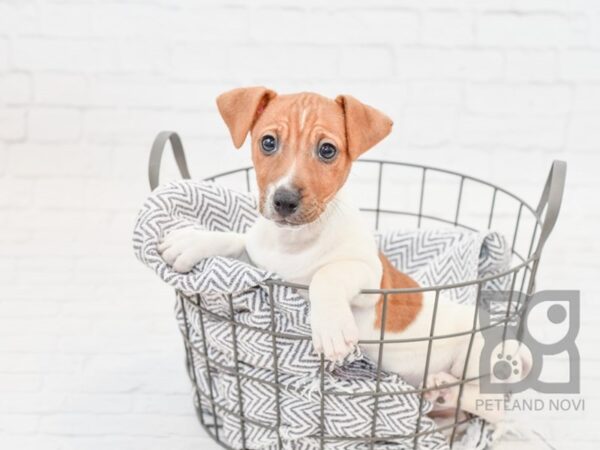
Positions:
(407, 164)
(441, 287)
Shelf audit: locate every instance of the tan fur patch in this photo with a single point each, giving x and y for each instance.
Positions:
(402, 309)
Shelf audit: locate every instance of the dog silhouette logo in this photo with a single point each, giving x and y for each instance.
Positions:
(520, 333)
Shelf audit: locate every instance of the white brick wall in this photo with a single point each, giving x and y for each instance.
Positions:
(89, 353)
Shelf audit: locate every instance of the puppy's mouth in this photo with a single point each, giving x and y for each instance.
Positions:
(302, 216)
(291, 221)
(285, 223)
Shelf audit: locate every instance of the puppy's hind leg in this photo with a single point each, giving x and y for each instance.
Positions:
(485, 405)
(443, 391)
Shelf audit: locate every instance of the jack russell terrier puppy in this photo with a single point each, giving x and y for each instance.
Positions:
(303, 146)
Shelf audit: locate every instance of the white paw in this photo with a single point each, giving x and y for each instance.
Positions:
(441, 395)
(182, 249)
(334, 331)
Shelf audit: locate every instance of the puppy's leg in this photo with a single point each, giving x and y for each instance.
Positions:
(517, 361)
(331, 292)
(184, 248)
(489, 406)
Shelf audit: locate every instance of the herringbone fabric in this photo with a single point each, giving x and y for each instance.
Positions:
(226, 286)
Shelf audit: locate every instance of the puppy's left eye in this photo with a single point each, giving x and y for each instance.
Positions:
(268, 144)
(327, 151)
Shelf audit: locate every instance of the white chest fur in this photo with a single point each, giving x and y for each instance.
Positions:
(296, 253)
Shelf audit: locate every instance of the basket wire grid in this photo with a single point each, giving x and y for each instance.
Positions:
(526, 247)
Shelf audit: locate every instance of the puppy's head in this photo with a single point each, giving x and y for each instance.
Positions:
(302, 146)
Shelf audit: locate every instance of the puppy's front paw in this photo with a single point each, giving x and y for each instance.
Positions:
(182, 249)
(334, 332)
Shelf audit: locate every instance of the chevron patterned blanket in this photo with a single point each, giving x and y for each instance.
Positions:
(291, 379)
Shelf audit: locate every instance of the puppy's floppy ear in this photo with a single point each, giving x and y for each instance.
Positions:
(365, 126)
(241, 107)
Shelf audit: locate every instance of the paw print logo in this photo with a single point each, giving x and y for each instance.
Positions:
(505, 367)
(510, 363)
(512, 355)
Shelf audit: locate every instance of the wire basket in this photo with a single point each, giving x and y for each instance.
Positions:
(526, 227)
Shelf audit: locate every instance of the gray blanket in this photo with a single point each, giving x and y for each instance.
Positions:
(432, 257)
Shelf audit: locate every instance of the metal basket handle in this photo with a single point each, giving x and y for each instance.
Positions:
(550, 201)
(156, 152)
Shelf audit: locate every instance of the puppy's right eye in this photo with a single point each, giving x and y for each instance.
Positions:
(268, 144)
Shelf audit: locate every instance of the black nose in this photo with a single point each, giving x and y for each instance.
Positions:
(286, 201)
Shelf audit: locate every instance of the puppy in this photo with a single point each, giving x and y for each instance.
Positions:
(303, 146)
